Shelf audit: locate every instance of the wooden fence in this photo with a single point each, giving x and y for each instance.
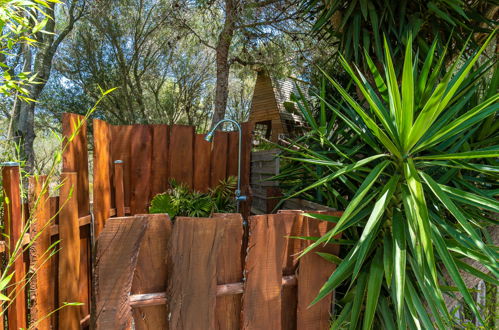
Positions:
(149, 156)
(192, 275)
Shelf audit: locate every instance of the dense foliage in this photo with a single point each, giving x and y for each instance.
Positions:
(180, 200)
(417, 184)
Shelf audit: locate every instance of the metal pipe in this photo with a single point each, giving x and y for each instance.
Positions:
(209, 138)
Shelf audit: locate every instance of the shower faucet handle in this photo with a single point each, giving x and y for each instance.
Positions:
(241, 198)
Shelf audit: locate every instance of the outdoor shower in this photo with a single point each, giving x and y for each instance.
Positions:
(209, 138)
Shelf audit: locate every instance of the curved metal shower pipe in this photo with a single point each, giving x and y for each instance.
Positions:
(209, 138)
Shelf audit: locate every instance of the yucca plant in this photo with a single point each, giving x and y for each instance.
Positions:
(416, 223)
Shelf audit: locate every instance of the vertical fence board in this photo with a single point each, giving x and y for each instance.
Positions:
(75, 157)
(41, 294)
(102, 186)
(181, 154)
(160, 146)
(219, 158)
(120, 150)
(289, 266)
(232, 153)
(152, 256)
(202, 159)
(192, 264)
(229, 270)
(69, 254)
(263, 269)
(119, 193)
(313, 273)
(13, 221)
(117, 248)
(140, 168)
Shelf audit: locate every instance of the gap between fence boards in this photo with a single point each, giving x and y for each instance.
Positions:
(159, 298)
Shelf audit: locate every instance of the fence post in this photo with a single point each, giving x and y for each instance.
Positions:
(14, 226)
(41, 297)
(69, 255)
(119, 192)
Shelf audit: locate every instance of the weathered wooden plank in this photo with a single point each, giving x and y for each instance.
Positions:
(140, 168)
(120, 150)
(75, 159)
(313, 273)
(14, 222)
(102, 183)
(290, 264)
(84, 284)
(119, 192)
(75, 156)
(232, 153)
(229, 270)
(192, 283)
(219, 158)
(223, 290)
(160, 151)
(117, 248)
(152, 256)
(263, 269)
(69, 254)
(41, 292)
(181, 154)
(202, 163)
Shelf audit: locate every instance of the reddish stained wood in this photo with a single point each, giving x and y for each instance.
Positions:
(119, 193)
(120, 150)
(192, 263)
(181, 154)
(85, 270)
(160, 146)
(102, 183)
(202, 159)
(69, 254)
(219, 158)
(152, 256)
(41, 291)
(75, 156)
(229, 264)
(232, 153)
(13, 220)
(159, 298)
(313, 273)
(75, 159)
(117, 251)
(289, 266)
(263, 269)
(140, 168)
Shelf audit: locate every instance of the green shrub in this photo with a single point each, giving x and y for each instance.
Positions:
(179, 200)
(419, 192)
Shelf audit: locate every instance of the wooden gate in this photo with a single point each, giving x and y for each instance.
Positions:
(196, 274)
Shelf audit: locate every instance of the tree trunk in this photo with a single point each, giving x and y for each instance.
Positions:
(222, 60)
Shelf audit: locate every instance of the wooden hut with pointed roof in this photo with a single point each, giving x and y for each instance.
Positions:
(272, 113)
